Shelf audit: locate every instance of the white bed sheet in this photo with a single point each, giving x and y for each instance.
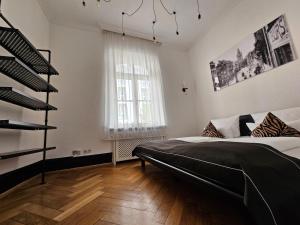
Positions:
(288, 145)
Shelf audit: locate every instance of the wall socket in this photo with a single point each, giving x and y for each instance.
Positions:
(87, 151)
(76, 153)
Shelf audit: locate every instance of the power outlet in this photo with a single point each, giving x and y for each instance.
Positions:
(76, 153)
(87, 151)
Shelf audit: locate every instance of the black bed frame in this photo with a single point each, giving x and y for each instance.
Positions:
(243, 120)
(186, 175)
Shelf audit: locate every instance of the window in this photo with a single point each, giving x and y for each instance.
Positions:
(134, 97)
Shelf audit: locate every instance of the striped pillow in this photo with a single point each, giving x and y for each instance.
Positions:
(272, 126)
(211, 131)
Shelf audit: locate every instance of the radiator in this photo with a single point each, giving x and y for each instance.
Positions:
(123, 148)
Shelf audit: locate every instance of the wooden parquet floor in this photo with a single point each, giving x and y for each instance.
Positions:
(125, 195)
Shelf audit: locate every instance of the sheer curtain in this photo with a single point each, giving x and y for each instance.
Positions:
(134, 101)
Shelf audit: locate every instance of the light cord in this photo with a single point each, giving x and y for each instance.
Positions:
(135, 11)
(123, 33)
(198, 7)
(175, 18)
(168, 11)
(130, 14)
(171, 13)
(154, 21)
(99, 2)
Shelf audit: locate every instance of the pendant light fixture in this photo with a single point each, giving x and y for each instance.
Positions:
(170, 12)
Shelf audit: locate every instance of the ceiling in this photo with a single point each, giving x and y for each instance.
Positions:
(108, 16)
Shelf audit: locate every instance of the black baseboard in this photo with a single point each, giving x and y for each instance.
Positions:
(73, 162)
(15, 177)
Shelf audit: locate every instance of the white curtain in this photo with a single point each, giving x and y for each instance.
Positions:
(134, 102)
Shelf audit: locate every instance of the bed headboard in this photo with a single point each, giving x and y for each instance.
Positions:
(245, 131)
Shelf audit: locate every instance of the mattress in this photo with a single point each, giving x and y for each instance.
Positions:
(228, 175)
(228, 178)
(287, 145)
(264, 170)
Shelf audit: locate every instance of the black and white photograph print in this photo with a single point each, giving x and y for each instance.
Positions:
(261, 51)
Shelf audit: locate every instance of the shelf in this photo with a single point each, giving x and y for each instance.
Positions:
(15, 69)
(24, 66)
(17, 44)
(9, 124)
(11, 95)
(9, 155)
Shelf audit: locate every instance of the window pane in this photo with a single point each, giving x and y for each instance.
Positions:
(133, 95)
(140, 70)
(125, 113)
(124, 90)
(145, 112)
(124, 68)
(143, 90)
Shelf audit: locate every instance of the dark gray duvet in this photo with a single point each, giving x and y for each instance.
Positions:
(268, 179)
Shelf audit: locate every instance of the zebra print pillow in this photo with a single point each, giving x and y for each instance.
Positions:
(211, 131)
(272, 126)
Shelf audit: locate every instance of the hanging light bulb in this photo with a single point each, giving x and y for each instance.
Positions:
(83, 3)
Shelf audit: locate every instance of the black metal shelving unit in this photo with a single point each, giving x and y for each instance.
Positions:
(16, 125)
(25, 66)
(13, 154)
(17, 44)
(15, 69)
(16, 97)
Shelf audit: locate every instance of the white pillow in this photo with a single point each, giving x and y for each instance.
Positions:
(294, 124)
(259, 117)
(252, 126)
(229, 127)
(286, 115)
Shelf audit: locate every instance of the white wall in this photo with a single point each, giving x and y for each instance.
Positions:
(180, 107)
(275, 89)
(77, 54)
(29, 18)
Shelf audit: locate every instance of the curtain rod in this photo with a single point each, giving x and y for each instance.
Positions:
(144, 39)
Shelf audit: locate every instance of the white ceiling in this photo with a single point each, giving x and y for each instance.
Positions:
(108, 16)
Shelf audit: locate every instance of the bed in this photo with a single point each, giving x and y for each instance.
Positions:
(264, 173)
